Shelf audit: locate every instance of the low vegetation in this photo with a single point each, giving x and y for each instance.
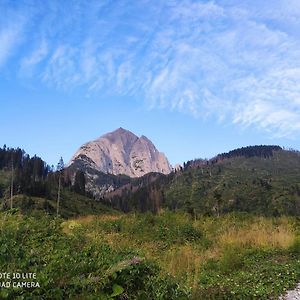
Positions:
(145, 256)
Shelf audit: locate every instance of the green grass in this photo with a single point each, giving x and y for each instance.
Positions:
(142, 256)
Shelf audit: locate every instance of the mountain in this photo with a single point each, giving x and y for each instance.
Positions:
(122, 152)
(258, 179)
(114, 160)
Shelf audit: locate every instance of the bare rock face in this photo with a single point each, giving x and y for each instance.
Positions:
(122, 152)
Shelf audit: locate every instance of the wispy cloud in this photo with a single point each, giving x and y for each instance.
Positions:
(13, 25)
(9, 38)
(35, 57)
(237, 62)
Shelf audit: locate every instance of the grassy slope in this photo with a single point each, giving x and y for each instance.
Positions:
(71, 205)
(168, 256)
(269, 186)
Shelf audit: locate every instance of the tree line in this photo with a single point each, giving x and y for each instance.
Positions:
(32, 176)
(263, 151)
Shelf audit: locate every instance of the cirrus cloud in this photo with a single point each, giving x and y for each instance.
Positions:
(237, 62)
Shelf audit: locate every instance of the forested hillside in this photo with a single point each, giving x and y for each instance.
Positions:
(259, 179)
(33, 186)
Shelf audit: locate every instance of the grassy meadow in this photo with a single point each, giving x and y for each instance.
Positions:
(145, 256)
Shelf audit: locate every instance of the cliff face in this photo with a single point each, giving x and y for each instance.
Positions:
(122, 152)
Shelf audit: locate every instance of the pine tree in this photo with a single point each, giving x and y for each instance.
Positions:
(79, 182)
(59, 169)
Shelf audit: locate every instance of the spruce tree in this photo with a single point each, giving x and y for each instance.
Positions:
(79, 182)
(59, 169)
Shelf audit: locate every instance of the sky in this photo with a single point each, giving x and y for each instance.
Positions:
(197, 78)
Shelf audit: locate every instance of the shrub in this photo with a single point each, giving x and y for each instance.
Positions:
(295, 247)
(231, 259)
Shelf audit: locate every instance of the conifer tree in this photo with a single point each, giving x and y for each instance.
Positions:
(59, 169)
(79, 182)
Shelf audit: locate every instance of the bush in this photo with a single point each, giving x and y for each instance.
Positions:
(295, 247)
(231, 259)
(112, 226)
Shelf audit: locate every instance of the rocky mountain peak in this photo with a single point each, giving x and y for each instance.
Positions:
(122, 152)
(119, 133)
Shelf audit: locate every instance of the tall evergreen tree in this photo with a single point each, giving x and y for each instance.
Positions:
(59, 169)
(79, 182)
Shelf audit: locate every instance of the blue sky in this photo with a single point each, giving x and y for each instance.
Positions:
(196, 77)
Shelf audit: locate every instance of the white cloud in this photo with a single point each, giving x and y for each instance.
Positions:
(62, 68)
(268, 116)
(12, 32)
(237, 62)
(9, 38)
(35, 57)
(193, 11)
(246, 71)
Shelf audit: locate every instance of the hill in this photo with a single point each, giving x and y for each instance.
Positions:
(259, 179)
(35, 187)
(256, 179)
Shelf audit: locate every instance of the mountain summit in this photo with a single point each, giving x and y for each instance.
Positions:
(122, 152)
